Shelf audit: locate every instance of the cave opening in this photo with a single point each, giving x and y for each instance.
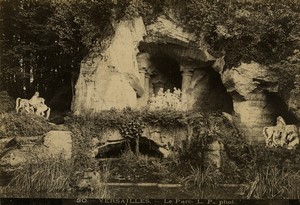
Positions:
(165, 73)
(115, 150)
(209, 92)
(279, 108)
(172, 65)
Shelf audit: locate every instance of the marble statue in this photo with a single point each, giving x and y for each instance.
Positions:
(35, 105)
(281, 135)
(170, 100)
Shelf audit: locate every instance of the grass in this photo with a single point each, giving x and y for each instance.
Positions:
(201, 182)
(275, 183)
(43, 175)
(98, 183)
(200, 178)
(102, 190)
(55, 175)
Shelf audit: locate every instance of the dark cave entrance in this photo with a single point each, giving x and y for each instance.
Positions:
(146, 147)
(279, 108)
(165, 73)
(210, 92)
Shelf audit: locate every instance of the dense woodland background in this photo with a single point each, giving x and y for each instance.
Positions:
(43, 41)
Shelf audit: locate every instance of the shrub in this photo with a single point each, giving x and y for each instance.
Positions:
(21, 124)
(82, 146)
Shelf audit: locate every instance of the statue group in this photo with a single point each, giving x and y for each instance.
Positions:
(35, 105)
(281, 135)
(175, 100)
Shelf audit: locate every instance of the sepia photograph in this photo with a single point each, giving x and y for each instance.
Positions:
(150, 102)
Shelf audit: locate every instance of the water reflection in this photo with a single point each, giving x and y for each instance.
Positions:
(137, 192)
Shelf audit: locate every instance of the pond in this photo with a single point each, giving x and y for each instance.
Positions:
(144, 192)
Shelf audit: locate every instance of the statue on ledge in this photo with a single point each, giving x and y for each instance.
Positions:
(171, 100)
(35, 105)
(281, 135)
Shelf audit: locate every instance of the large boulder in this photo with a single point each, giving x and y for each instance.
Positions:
(111, 79)
(249, 78)
(258, 99)
(18, 151)
(59, 143)
(248, 85)
(168, 141)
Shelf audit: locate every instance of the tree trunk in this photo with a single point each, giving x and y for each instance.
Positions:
(137, 146)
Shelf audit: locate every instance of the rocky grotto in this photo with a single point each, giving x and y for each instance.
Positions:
(140, 60)
(150, 68)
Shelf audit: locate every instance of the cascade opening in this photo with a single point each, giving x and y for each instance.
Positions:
(115, 150)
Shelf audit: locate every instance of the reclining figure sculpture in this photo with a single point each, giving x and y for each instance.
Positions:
(281, 135)
(35, 105)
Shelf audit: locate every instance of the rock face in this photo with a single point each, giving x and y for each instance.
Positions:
(59, 143)
(293, 101)
(248, 85)
(17, 152)
(124, 74)
(140, 60)
(168, 140)
(111, 79)
(207, 93)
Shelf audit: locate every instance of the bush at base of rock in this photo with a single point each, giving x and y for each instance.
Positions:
(19, 124)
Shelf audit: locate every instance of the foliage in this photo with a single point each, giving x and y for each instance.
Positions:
(263, 31)
(82, 160)
(132, 131)
(21, 124)
(82, 146)
(121, 118)
(288, 75)
(207, 128)
(26, 45)
(142, 168)
(153, 164)
(6, 102)
(43, 175)
(128, 122)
